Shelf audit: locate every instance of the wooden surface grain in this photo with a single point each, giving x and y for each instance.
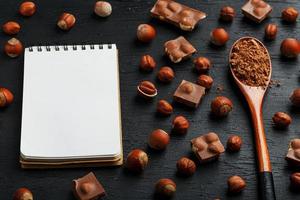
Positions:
(139, 117)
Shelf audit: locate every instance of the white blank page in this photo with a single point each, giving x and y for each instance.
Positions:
(71, 103)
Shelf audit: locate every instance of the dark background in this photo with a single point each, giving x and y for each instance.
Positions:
(139, 117)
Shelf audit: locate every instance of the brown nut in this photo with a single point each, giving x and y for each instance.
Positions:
(221, 106)
(23, 194)
(11, 28)
(6, 97)
(205, 81)
(295, 97)
(202, 64)
(136, 161)
(165, 187)
(281, 120)
(186, 166)
(147, 89)
(145, 33)
(159, 139)
(290, 14)
(290, 48)
(271, 31)
(219, 37)
(13, 47)
(227, 14)
(66, 21)
(234, 143)
(236, 184)
(87, 187)
(27, 8)
(180, 125)
(295, 180)
(102, 8)
(147, 63)
(166, 74)
(164, 108)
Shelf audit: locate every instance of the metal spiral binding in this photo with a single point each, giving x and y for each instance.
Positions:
(67, 47)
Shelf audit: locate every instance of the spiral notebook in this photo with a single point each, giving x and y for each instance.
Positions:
(71, 107)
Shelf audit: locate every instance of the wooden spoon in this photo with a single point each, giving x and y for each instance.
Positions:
(254, 97)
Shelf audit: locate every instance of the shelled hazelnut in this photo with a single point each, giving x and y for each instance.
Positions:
(290, 14)
(145, 33)
(221, 106)
(234, 143)
(295, 97)
(147, 89)
(186, 166)
(147, 63)
(11, 28)
(236, 184)
(13, 47)
(164, 108)
(281, 120)
(271, 31)
(27, 8)
(6, 97)
(219, 37)
(159, 139)
(227, 14)
(23, 194)
(205, 81)
(295, 180)
(102, 8)
(66, 21)
(180, 125)
(290, 48)
(202, 64)
(136, 161)
(166, 74)
(165, 187)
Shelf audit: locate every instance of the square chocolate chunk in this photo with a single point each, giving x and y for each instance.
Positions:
(293, 155)
(256, 10)
(189, 94)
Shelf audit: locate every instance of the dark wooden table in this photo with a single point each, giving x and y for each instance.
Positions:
(139, 117)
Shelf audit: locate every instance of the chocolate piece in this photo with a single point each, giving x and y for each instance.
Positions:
(88, 188)
(293, 155)
(177, 14)
(256, 10)
(189, 94)
(179, 49)
(207, 147)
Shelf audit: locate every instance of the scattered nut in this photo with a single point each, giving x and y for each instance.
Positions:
(147, 63)
(6, 97)
(295, 97)
(205, 81)
(136, 161)
(180, 125)
(186, 166)
(145, 32)
(147, 89)
(27, 8)
(23, 194)
(202, 64)
(13, 47)
(290, 48)
(159, 139)
(165, 187)
(271, 31)
(66, 21)
(102, 8)
(221, 106)
(234, 143)
(281, 120)
(290, 14)
(295, 180)
(164, 108)
(236, 184)
(166, 74)
(219, 37)
(11, 28)
(227, 14)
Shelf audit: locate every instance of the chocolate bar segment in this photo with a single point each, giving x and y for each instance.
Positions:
(179, 49)
(88, 188)
(207, 147)
(256, 10)
(293, 155)
(177, 14)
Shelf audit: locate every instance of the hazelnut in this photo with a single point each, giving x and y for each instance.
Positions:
(87, 188)
(159, 139)
(219, 37)
(23, 194)
(295, 180)
(147, 89)
(147, 63)
(11, 28)
(227, 14)
(281, 120)
(205, 81)
(234, 143)
(165, 187)
(165, 74)
(145, 33)
(136, 161)
(186, 166)
(13, 47)
(221, 106)
(102, 8)
(66, 21)
(6, 97)
(187, 87)
(290, 14)
(180, 125)
(290, 48)
(164, 108)
(236, 184)
(271, 31)
(295, 97)
(202, 64)
(27, 8)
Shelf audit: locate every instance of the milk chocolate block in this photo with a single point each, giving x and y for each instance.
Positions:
(179, 49)
(189, 94)
(177, 14)
(256, 10)
(293, 155)
(88, 188)
(207, 147)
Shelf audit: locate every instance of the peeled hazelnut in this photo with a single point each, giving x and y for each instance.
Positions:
(290, 14)
(205, 81)
(227, 14)
(236, 184)
(147, 63)
(13, 47)
(295, 97)
(234, 143)
(6, 97)
(147, 89)
(136, 161)
(295, 180)
(11, 28)
(165, 74)
(164, 108)
(159, 139)
(219, 37)
(27, 8)
(165, 187)
(290, 48)
(23, 194)
(180, 125)
(186, 166)
(281, 120)
(66, 21)
(202, 64)
(145, 32)
(221, 106)
(271, 31)
(102, 8)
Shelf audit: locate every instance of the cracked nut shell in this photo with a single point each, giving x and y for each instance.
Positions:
(147, 89)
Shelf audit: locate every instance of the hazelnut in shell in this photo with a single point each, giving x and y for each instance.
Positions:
(219, 37)
(102, 9)
(290, 48)
(295, 97)
(205, 81)
(11, 28)
(6, 97)
(23, 194)
(136, 161)
(147, 63)
(221, 106)
(186, 166)
(236, 184)
(147, 89)
(27, 8)
(227, 14)
(234, 143)
(166, 74)
(159, 139)
(165, 187)
(290, 14)
(13, 47)
(145, 33)
(281, 120)
(164, 108)
(180, 125)
(66, 21)
(202, 65)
